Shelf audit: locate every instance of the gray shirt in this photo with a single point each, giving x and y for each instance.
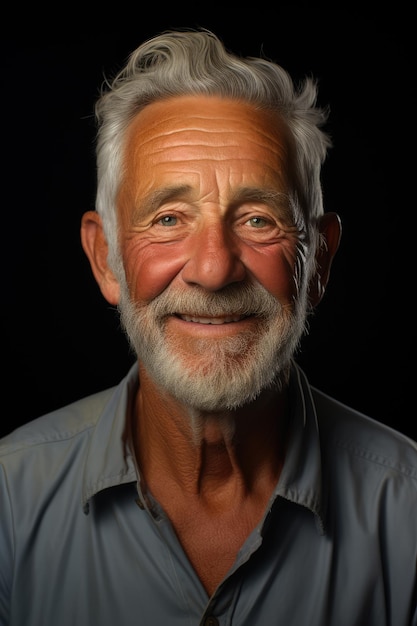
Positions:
(81, 545)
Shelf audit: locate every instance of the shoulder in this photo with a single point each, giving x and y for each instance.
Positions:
(349, 434)
(66, 423)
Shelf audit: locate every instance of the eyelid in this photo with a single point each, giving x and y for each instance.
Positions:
(265, 213)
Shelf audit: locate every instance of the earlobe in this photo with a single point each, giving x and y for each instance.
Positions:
(95, 247)
(330, 228)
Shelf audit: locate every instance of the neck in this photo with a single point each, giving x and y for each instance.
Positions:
(212, 456)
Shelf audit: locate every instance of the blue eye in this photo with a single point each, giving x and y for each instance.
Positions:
(257, 222)
(168, 220)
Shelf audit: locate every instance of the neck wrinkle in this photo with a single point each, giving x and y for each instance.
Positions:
(209, 456)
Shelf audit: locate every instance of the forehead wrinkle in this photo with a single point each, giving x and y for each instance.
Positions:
(182, 114)
(216, 139)
(258, 133)
(261, 132)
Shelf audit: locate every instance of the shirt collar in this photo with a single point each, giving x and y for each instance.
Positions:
(301, 476)
(110, 461)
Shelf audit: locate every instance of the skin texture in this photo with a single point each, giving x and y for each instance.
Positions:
(204, 204)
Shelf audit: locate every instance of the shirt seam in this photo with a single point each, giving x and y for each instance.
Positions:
(12, 448)
(378, 459)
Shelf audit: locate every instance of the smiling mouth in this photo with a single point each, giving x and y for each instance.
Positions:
(212, 320)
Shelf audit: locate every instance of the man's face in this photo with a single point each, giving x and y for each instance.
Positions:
(214, 297)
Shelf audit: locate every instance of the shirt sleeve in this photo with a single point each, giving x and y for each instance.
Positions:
(6, 549)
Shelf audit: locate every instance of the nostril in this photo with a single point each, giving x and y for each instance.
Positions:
(215, 272)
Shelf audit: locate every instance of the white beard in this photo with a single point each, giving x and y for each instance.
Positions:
(220, 374)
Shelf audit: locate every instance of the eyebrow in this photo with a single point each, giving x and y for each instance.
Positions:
(150, 203)
(280, 201)
(283, 203)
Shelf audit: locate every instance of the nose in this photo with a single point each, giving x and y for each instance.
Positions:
(214, 259)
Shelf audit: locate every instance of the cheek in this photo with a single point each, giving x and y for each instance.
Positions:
(277, 269)
(150, 270)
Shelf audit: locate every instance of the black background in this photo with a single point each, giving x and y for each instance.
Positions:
(62, 341)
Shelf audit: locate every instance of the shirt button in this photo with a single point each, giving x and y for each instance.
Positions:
(211, 621)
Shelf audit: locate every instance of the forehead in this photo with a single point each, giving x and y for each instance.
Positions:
(188, 127)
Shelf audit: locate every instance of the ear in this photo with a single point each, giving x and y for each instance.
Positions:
(330, 229)
(95, 247)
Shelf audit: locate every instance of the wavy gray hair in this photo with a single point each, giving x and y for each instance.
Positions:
(186, 62)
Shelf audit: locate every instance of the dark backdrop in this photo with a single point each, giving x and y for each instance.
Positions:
(62, 340)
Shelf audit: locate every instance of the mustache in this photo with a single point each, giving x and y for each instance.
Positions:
(242, 299)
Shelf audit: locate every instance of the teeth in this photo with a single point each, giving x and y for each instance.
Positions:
(211, 320)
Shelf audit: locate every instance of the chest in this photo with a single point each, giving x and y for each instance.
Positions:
(212, 544)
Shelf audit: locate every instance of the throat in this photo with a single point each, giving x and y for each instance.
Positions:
(219, 477)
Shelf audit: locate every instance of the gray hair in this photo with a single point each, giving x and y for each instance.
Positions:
(196, 62)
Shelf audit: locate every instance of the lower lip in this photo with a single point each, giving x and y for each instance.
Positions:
(198, 329)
